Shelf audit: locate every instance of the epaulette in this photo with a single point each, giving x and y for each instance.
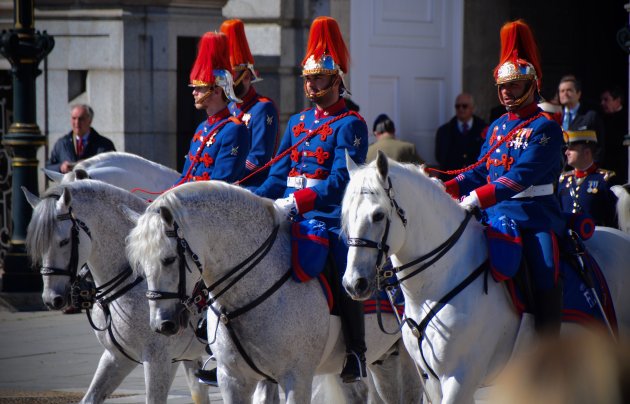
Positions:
(548, 115)
(566, 174)
(608, 174)
(235, 120)
(264, 99)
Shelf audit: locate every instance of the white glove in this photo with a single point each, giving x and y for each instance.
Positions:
(439, 182)
(287, 206)
(470, 202)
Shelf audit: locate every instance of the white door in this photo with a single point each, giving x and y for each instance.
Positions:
(406, 61)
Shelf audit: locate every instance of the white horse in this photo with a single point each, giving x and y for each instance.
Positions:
(623, 206)
(125, 170)
(468, 339)
(271, 327)
(81, 222)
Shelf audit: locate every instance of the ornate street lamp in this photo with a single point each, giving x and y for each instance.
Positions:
(24, 48)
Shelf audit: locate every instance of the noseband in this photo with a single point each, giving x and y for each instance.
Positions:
(72, 267)
(384, 277)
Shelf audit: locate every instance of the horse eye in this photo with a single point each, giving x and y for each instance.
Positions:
(168, 261)
(378, 216)
(64, 242)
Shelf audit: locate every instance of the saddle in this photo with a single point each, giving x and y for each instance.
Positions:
(579, 271)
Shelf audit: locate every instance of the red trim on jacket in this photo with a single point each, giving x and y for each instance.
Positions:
(487, 196)
(524, 112)
(224, 113)
(331, 110)
(452, 188)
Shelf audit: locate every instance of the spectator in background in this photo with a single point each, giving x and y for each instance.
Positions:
(458, 142)
(80, 143)
(385, 133)
(586, 189)
(615, 118)
(576, 116)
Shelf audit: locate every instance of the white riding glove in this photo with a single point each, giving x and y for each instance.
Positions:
(287, 206)
(470, 202)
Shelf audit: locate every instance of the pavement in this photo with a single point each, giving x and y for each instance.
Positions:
(48, 357)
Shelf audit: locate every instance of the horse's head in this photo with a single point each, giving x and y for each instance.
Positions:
(155, 247)
(373, 222)
(59, 241)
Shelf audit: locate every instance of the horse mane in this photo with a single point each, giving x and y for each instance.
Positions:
(98, 159)
(623, 208)
(147, 240)
(41, 227)
(366, 179)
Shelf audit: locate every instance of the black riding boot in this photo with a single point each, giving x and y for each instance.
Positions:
(549, 311)
(353, 327)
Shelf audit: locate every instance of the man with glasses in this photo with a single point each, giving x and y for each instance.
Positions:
(458, 142)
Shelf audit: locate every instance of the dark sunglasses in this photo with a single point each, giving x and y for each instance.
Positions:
(461, 106)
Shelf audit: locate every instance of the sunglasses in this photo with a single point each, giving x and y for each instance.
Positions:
(461, 106)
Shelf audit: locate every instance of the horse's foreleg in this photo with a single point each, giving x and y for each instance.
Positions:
(235, 389)
(298, 387)
(110, 373)
(198, 391)
(158, 378)
(266, 392)
(385, 376)
(456, 393)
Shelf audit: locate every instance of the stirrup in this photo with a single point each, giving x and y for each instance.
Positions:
(208, 377)
(353, 368)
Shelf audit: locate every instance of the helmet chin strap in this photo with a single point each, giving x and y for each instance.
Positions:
(320, 93)
(205, 95)
(518, 102)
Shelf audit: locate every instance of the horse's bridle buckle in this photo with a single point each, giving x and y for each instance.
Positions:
(224, 319)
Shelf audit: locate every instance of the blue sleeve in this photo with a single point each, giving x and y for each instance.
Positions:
(263, 129)
(186, 157)
(229, 164)
(353, 137)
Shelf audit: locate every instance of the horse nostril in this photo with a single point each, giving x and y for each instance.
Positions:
(361, 285)
(58, 302)
(167, 328)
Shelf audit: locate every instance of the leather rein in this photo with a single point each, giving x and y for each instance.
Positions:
(386, 279)
(84, 293)
(201, 300)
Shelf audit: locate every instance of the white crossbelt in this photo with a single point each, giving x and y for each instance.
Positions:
(535, 190)
(301, 182)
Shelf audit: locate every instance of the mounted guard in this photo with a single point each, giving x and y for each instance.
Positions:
(257, 112)
(309, 179)
(219, 148)
(519, 163)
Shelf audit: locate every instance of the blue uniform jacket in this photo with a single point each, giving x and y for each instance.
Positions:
(260, 116)
(589, 192)
(322, 157)
(217, 150)
(532, 157)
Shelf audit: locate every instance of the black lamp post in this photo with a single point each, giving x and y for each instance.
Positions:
(24, 48)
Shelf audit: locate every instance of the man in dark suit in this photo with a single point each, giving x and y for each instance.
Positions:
(458, 142)
(576, 116)
(385, 133)
(80, 143)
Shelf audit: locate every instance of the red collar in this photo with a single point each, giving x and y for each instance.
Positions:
(524, 112)
(334, 109)
(251, 93)
(588, 171)
(224, 113)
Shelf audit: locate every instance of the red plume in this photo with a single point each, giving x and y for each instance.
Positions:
(518, 42)
(239, 48)
(212, 53)
(325, 38)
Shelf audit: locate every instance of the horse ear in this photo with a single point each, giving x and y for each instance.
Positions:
(81, 174)
(350, 164)
(129, 213)
(32, 199)
(382, 165)
(167, 215)
(618, 190)
(54, 176)
(65, 197)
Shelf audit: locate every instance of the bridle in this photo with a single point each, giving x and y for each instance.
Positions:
(72, 267)
(201, 299)
(384, 277)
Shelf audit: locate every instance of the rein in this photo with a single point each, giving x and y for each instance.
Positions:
(200, 294)
(384, 277)
(83, 292)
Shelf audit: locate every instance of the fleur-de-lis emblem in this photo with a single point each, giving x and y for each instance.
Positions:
(269, 119)
(234, 151)
(357, 141)
(544, 140)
